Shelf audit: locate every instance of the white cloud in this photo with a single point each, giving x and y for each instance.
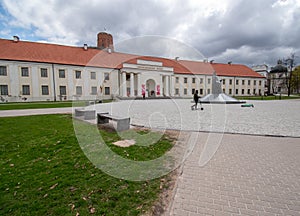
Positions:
(216, 28)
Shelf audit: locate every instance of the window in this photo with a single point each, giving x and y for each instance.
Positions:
(224, 81)
(107, 91)
(208, 81)
(254, 91)
(201, 80)
(248, 92)
(106, 76)
(243, 82)
(237, 82)
(208, 91)
(3, 71)
(243, 91)
(61, 73)
(62, 90)
(230, 91)
(3, 90)
(249, 82)
(259, 83)
(193, 91)
(259, 91)
(25, 90)
(230, 82)
(94, 90)
(185, 91)
(45, 90)
(177, 90)
(177, 79)
(223, 90)
(254, 82)
(44, 72)
(185, 80)
(78, 90)
(78, 74)
(201, 91)
(93, 75)
(236, 91)
(193, 80)
(24, 72)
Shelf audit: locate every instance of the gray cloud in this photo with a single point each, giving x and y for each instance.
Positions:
(243, 31)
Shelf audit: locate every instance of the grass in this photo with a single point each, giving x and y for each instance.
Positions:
(42, 105)
(271, 97)
(44, 171)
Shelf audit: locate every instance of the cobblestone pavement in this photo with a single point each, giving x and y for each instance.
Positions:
(248, 175)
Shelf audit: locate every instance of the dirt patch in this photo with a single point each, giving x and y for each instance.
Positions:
(124, 143)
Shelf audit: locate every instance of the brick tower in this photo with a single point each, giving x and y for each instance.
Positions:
(105, 41)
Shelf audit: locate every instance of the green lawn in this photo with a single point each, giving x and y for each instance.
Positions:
(271, 97)
(40, 105)
(44, 171)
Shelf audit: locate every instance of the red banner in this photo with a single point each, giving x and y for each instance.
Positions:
(158, 90)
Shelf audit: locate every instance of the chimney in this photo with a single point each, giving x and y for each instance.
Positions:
(85, 46)
(16, 39)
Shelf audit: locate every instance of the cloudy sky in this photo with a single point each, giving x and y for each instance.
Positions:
(242, 31)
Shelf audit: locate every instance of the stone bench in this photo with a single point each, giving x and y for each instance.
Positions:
(123, 123)
(86, 114)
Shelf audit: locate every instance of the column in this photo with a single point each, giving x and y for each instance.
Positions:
(197, 83)
(131, 84)
(139, 86)
(124, 88)
(161, 86)
(172, 86)
(167, 86)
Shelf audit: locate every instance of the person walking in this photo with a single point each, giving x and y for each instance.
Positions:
(196, 100)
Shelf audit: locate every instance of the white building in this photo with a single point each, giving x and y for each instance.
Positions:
(31, 71)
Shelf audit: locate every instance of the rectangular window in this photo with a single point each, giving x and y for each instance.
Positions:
(24, 72)
(93, 90)
(254, 82)
(223, 90)
(185, 80)
(193, 80)
(224, 81)
(177, 90)
(254, 91)
(93, 75)
(107, 91)
(248, 92)
(78, 90)
(230, 91)
(243, 82)
(61, 73)
(236, 91)
(3, 71)
(208, 81)
(201, 92)
(230, 82)
(3, 89)
(243, 91)
(259, 83)
(237, 82)
(208, 91)
(45, 90)
(249, 82)
(25, 90)
(62, 90)
(106, 76)
(44, 72)
(78, 74)
(185, 91)
(193, 91)
(177, 79)
(201, 80)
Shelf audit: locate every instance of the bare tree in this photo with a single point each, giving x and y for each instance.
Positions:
(290, 63)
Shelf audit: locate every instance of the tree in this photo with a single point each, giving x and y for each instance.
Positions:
(289, 62)
(295, 82)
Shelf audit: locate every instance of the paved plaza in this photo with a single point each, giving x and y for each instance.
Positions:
(245, 161)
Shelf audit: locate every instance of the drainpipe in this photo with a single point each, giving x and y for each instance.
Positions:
(53, 76)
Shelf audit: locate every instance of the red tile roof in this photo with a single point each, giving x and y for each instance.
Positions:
(69, 55)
